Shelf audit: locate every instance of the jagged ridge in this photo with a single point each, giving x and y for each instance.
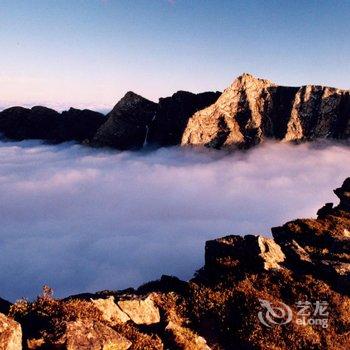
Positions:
(248, 112)
(252, 110)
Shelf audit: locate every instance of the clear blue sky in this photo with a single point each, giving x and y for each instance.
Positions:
(90, 52)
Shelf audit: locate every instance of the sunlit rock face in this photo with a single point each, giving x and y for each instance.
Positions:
(252, 110)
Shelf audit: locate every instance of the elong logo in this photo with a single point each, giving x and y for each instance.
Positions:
(309, 314)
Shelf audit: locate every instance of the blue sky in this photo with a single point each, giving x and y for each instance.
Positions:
(88, 53)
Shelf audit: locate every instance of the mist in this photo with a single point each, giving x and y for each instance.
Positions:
(83, 220)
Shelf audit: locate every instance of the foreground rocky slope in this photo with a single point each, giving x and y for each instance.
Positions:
(247, 113)
(289, 292)
(252, 110)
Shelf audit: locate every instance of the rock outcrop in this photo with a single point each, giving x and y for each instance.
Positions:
(289, 292)
(252, 110)
(127, 124)
(255, 253)
(173, 113)
(18, 123)
(10, 334)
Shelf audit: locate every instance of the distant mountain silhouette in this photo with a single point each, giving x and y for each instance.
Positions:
(247, 113)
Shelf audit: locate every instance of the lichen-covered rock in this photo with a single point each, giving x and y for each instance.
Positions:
(252, 110)
(140, 311)
(10, 334)
(248, 252)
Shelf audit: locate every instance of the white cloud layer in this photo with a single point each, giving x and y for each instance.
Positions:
(81, 219)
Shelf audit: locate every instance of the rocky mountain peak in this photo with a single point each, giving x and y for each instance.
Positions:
(248, 112)
(131, 100)
(126, 125)
(247, 79)
(252, 110)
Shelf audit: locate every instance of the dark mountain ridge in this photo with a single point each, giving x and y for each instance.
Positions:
(247, 113)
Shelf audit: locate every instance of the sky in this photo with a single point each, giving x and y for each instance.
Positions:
(89, 53)
(81, 219)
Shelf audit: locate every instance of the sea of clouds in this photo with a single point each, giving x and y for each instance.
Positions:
(81, 219)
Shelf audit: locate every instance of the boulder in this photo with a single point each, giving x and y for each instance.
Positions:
(111, 312)
(10, 334)
(127, 124)
(173, 113)
(141, 311)
(92, 335)
(244, 252)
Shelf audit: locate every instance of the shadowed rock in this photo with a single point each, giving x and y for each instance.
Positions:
(343, 194)
(20, 123)
(173, 114)
(127, 123)
(43, 123)
(79, 125)
(4, 306)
